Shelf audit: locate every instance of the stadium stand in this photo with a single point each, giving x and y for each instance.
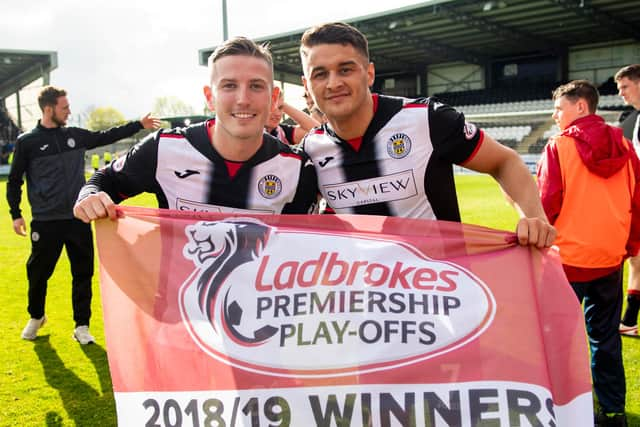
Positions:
(21, 74)
(523, 93)
(498, 62)
(511, 136)
(9, 132)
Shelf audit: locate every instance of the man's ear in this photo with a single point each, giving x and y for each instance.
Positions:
(371, 74)
(583, 108)
(306, 87)
(275, 94)
(208, 96)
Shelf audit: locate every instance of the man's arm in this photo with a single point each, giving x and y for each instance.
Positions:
(129, 175)
(305, 122)
(14, 188)
(506, 167)
(109, 136)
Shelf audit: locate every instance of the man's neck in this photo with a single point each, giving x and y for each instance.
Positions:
(233, 149)
(48, 123)
(355, 125)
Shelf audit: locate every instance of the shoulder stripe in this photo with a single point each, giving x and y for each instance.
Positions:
(415, 106)
(171, 135)
(294, 155)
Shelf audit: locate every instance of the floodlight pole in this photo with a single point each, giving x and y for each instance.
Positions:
(225, 30)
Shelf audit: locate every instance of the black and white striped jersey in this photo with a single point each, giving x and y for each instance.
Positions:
(402, 166)
(184, 171)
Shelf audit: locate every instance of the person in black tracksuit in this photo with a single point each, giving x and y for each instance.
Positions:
(51, 156)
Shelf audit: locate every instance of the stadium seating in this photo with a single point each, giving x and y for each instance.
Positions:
(510, 136)
(520, 117)
(539, 105)
(8, 134)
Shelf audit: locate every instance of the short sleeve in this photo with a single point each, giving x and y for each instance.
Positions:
(453, 138)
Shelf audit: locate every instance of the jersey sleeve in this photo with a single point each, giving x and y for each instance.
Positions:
(453, 138)
(129, 175)
(15, 179)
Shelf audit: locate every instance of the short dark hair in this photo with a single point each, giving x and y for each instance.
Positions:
(49, 95)
(632, 72)
(334, 33)
(241, 46)
(579, 89)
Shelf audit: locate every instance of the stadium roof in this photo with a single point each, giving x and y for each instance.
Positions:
(478, 32)
(18, 68)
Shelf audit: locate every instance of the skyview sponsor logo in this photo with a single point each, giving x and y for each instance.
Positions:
(388, 188)
(325, 306)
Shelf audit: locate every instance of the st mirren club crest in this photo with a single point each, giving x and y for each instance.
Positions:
(399, 145)
(270, 186)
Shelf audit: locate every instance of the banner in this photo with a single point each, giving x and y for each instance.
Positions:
(336, 320)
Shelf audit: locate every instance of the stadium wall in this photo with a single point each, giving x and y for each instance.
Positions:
(600, 62)
(454, 77)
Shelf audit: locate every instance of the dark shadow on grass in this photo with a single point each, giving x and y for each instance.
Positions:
(98, 358)
(84, 405)
(633, 420)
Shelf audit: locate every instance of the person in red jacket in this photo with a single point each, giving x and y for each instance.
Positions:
(588, 180)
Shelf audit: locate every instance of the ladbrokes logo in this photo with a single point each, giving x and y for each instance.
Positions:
(303, 304)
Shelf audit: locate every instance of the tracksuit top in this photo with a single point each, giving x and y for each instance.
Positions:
(53, 161)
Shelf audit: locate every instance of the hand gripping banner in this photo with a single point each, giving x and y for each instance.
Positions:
(336, 320)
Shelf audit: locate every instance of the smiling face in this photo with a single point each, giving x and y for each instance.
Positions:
(338, 77)
(241, 94)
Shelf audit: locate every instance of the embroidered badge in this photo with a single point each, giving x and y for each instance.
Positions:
(270, 186)
(470, 130)
(399, 145)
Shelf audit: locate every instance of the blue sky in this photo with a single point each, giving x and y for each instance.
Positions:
(126, 53)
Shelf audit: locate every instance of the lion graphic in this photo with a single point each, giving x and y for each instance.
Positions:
(218, 248)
